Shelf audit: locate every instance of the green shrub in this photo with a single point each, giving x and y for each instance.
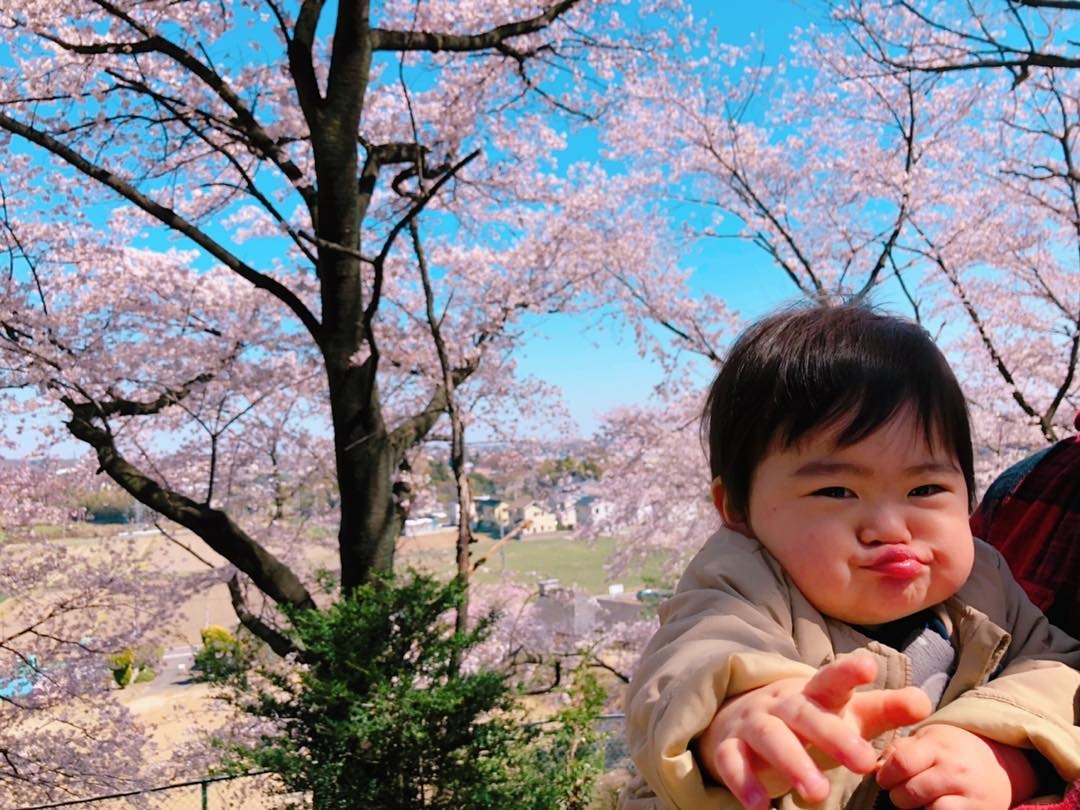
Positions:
(223, 656)
(134, 664)
(122, 665)
(560, 768)
(145, 675)
(377, 715)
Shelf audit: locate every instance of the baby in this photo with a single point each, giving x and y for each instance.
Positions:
(844, 600)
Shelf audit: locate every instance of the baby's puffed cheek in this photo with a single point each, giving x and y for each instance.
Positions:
(954, 571)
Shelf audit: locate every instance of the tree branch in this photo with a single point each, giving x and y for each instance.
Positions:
(275, 639)
(249, 186)
(130, 407)
(984, 336)
(384, 40)
(215, 527)
(167, 217)
(155, 43)
(1068, 5)
(301, 67)
(457, 442)
(421, 201)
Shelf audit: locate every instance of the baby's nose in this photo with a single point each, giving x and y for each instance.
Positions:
(883, 524)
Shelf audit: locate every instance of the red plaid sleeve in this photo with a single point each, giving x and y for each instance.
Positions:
(1035, 524)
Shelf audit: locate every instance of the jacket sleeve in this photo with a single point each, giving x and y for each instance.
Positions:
(726, 631)
(1033, 700)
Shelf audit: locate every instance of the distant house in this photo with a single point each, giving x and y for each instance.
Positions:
(562, 506)
(567, 517)
(537, 519)
(492, 513)
(591, 511)
(419, 525)
(495, 514)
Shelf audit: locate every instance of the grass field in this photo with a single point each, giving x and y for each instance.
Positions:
(571, 561)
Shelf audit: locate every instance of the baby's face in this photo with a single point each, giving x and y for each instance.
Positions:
(871, 532)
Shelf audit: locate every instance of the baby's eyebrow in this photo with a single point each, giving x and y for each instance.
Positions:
(826, 466)
(933, 467)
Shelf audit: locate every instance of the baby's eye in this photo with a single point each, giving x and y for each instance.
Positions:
(833, 492)
(925, 490)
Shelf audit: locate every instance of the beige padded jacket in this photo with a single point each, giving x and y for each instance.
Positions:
(738, 622)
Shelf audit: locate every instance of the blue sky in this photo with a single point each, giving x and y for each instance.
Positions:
(597, 367)
(596, 364)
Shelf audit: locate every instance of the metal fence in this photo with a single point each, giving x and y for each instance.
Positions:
(616, 751)
(258, 791)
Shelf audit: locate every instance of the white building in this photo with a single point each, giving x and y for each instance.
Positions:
(591, 511)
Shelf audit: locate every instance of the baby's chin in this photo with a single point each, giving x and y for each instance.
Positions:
(887, 608)
(873, 621)
(885, 613)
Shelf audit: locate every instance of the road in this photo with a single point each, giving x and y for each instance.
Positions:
(174, 669)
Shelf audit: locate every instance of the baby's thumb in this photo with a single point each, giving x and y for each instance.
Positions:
(882, 710)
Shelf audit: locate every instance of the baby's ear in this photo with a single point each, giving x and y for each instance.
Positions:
(731, 518)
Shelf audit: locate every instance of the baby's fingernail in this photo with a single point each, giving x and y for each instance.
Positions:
(755, 797)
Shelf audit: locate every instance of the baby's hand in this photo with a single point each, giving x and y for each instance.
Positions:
(942, 767)
(756, 744)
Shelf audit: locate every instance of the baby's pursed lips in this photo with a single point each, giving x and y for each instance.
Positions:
(893, 554)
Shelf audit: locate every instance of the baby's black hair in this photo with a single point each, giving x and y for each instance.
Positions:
(820, 366)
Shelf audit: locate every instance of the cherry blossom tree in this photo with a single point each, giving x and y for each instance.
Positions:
(1017, 36)
(949, 195)
(259, 252)
(1034, 179)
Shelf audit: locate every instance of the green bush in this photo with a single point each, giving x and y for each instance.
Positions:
(223, 656)
(569, 756)
(122, 665)
(145, 675)
(134, 664)
(377, 715)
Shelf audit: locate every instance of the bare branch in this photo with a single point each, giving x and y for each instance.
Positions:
(383, 40)
(215, 527)
(275, 639)
(421, 201)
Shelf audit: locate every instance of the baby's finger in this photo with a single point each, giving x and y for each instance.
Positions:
(901, 799)
(903, 762)
(832, 735)
(733, 764)
(833, 685)
(950, 802)
(776, 745)
(881, 710)
(919, 791)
